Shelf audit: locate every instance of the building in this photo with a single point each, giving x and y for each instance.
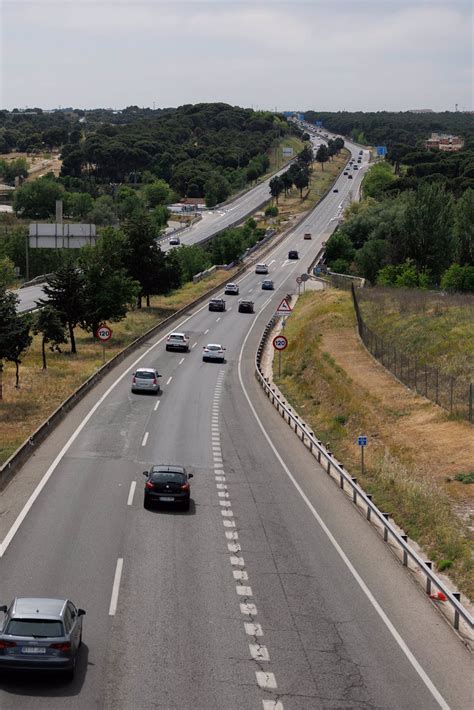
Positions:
(444, 142)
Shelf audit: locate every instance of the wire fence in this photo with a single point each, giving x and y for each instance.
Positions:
(452, 393)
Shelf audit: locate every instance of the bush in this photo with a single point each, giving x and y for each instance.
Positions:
(458, 278)
(271, 211)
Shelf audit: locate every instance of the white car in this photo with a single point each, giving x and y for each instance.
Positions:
(231, 289)
(213, 351)
(145, 379)
(261, 269)
(177, 341)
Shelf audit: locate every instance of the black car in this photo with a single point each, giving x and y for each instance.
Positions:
(246, 307)
(267, 285)
(293, 254)
(217, 304)
(167, 484)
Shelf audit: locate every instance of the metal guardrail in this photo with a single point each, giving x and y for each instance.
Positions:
(348, 482)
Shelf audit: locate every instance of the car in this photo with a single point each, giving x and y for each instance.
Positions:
(361, 152)
(167, 483)
(174, 241)
(267, 285)
(355, 167)
(177, 341)
(246, 306)
(349, 177)
(145, 379)
(39, 633)
(293, 254)
(213, 351)
(345, 172)
(308, 235)
(359, 160)
(231, 289)
(217, 304)
(261, 269)
(336, 189)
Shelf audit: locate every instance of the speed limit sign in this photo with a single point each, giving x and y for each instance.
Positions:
(280, 342)
(103, 333)
(298, 280)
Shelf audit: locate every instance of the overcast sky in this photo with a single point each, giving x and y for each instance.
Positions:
(305, 54)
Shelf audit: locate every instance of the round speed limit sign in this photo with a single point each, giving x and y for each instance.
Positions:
(103, 333)
(280, 342)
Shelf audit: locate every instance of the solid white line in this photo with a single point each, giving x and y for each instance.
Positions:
(169, 380)
(133, 485)
(145, 438)
(181, 361)
(116, 587)
(397, 637)
(156, 406)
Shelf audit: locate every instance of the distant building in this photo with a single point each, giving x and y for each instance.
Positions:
(444, 142)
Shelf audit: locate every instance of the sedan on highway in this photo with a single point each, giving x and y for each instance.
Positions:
(217, 304)
(231, 289)
(246, 306)
(293, 254)
(175, 241)
(145, 379)
(267, 285)
(213, 351)
(40, 634)
(177, 341)
(261, 269)
(167, 483)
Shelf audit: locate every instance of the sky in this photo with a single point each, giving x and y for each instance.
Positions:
(331, 55)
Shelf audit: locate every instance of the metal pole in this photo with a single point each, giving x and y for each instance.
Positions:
(103, 353)
(27, 257)
(362, 460)
(279, 363)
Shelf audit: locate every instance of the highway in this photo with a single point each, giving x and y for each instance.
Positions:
(272, 593)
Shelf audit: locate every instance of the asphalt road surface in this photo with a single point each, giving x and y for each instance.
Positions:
(273, 592)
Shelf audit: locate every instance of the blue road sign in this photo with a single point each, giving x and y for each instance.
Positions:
(381, 150)
(362, 440)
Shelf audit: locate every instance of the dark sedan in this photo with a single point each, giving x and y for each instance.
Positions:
(167, 484)
(217, 304)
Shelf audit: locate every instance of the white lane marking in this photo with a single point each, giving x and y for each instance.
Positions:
(133, 485)
(223, 494)
(206, 331)
(250, 290)
(234, 547)
(397, 637)
(272, 705)
(193, 345)
(145, 438)
(250, 610)
(266, 680)
(228, 523)
(156, 406)
(229, 513)
(218, 319)
(259, 653)
(237, 561)
(116, 587)
(240, 575)
(181, 361)
(229, 309)
(224, 503)
(222, 486)
(232, 535)
(271, 262)
(244, 591)
(253, 629)
(169, 380)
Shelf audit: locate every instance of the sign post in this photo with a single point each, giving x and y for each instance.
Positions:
(362, 442)
(284, 309)
(280, 342)
(298, 281)
(103, 333)
(304, 277)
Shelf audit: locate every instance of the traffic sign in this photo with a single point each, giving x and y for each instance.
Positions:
(280, 342)
(304, 277)
(362, 440)
(284, 309)
(103, 333)
(298, 280)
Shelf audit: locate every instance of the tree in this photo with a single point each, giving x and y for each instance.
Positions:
(157, 193)
(305, 156)
(322, 155)
(464, 228)
(191, 260)
(276, 187)
(301, 179)
(7, 273)
(339, 246)
(65, 291)
(371, 258)
(8, 317)
(20, 342)
(217, 190)
(458, 279)
(143, 258)
(37, 199)
(377, 179)
(49, 324)
(80, 205)
(287, 181)
(103, 211)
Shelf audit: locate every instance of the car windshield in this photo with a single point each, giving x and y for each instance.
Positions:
(167, 476)
(177, 336)
(145, 375)
(213, 347)
(35, 627)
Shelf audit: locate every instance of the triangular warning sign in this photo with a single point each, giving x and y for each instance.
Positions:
(284, 308)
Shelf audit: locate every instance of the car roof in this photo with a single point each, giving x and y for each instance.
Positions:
(167, 468)
(213, 345)
(32, 606)
(180, 335)
(146, 369)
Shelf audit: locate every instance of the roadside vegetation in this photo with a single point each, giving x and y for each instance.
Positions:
(418, 462)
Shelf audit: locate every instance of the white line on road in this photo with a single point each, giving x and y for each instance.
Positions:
(169, 380)
(181, 361)
(218, 319)
(145, 438)
(133, 485)
(194, 345)
(156, 406)
(206, 331)
(116, 587)
(266, 680)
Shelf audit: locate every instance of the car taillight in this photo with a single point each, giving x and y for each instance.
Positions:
(149, 485)
(134, 380)
(154, 380)
(185, 487)
(7, 644)
(65, 646)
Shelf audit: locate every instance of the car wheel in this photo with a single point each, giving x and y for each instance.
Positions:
(80, 640)
(69, 673)
(146, 503)
(167, 349)
(187, 505)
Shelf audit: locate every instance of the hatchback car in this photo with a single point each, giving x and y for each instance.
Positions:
(177, 341)
(145, 379)
(217, 304)
(231, 289)
(175, 241)
(293, 254)
(307, 235)
(167, 484)
(267, 285)
(246, 306)
(213, 351)
(261, 269)
(40, 634)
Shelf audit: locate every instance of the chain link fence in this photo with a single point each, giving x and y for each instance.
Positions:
(452, 393)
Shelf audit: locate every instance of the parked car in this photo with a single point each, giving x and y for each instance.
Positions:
(167, 483)
(246, 306)
(174, 241)
(261, 269)
(217, 304)
(213, 351)
(293, 254)
(40, 634)
(177, 341)
(267, 285)
(145, 379)
(231, 289)
(307, 235)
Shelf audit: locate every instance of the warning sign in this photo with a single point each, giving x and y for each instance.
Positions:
(284, 309)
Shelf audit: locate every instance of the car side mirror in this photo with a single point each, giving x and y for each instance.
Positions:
(133, 374)
(190, 475)
(4, 608)
(81, 612)
(145, 473)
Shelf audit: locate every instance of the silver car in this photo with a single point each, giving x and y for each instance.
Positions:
(40, 634)
(146, 380)
(213, 351)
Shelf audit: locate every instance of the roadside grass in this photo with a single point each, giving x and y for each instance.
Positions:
(338, 409)
(42, 391)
